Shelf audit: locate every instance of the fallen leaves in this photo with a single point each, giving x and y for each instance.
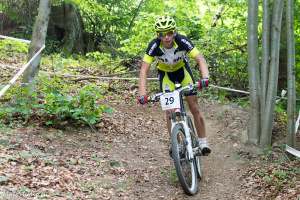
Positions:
(272, 180)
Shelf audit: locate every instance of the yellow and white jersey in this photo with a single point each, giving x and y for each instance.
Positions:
(170, 60)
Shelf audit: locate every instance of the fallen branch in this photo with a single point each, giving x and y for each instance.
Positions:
(82, 77)
(130, 72)
(240, 48)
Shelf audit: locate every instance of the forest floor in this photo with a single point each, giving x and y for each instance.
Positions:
(126, 157)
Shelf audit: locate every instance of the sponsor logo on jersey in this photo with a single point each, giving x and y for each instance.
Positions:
(187, 43)
(172, 58)
(152, 48)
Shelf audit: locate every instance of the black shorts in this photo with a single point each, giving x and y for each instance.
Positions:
(183, 76)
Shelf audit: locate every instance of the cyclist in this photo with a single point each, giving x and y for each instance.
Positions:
(170, 50)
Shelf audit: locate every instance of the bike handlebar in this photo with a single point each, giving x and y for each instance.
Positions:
(188, 88)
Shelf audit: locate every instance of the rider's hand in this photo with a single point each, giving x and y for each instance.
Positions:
(143, 99)
(203, 83)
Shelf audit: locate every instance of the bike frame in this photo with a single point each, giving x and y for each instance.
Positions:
(174, 114)
(184, 123)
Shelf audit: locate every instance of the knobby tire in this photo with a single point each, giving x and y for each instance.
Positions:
(178, 157)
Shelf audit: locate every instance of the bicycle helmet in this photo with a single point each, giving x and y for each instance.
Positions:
(164, 23)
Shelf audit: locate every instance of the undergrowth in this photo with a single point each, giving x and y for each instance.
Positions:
(52, 104)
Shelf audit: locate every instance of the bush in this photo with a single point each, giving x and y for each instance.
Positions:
(82, 107)
(53, 105)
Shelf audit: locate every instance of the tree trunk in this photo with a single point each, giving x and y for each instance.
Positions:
(266, 134)
(291, 72)
(265, 51)
(73, 40)
(254, 126)
(37, 40)
(282, 76)
(265, 63)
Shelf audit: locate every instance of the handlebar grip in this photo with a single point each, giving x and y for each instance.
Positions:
(143, 99)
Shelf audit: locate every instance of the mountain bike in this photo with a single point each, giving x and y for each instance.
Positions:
(184, 149)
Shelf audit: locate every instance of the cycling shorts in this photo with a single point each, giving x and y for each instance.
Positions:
(183, 76)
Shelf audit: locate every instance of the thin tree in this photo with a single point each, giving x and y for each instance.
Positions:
(252, 25)
(265, 51)
(38, 39)
(263, 81)
(268, 109)
(291, 72)
(137, 10)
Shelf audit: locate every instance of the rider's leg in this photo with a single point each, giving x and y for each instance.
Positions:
(169, 131)
(199, 124)
(198, 116)
(166, 85)
(193, 103)
(168, 123)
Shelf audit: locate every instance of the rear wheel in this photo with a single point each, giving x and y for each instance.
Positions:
(185, 169)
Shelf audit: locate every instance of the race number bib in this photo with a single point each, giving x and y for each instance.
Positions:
(170, 100)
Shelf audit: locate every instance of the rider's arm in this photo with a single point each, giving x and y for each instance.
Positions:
(146, 63)
(143, 78)
(202, 65)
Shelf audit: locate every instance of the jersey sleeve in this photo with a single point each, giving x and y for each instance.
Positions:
(148, 59)
(194, 52)
(151, 51)
(187, 45)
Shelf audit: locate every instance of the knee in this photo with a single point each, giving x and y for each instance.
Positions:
(168, 114)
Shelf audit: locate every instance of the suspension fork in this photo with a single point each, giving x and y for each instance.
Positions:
(188, 139)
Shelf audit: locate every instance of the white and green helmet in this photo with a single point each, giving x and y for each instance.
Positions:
(164, 23)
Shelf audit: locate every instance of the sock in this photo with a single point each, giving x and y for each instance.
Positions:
(202, 140)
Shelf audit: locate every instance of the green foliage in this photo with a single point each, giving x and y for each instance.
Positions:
(108, 63)
(185, 13)
(99, 57)
(11, 47)
(19, 107)
(54, 105)
(52, 46)
(94, 61)
(106, 20)
(138, 40)
(1, 7)
(106, 28)
(281, 106)
(223, 46)
(82, 106)
(21, 12)
(278, 177)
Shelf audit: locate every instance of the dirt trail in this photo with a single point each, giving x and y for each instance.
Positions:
(145, 150)
(125, 158)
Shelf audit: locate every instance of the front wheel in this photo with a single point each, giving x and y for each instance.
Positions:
(185, 169)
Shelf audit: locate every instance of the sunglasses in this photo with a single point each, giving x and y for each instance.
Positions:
(164, 34)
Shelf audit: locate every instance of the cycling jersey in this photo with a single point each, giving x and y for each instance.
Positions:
(170, 60)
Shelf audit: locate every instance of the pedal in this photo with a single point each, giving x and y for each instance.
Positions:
(198, 152)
